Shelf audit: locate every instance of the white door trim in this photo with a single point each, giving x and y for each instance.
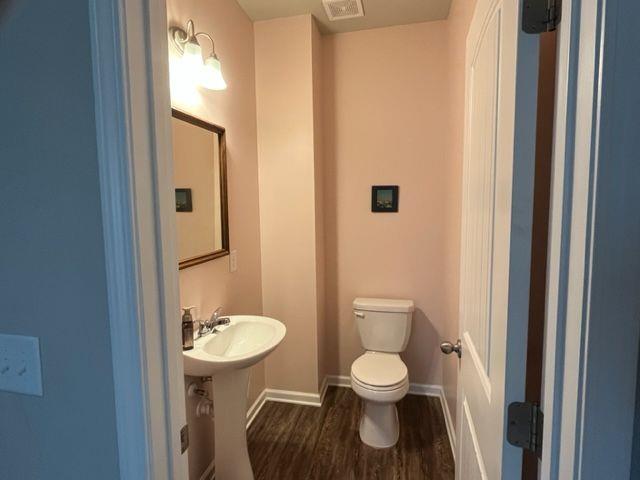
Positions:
(130, 69)
(559, 227)
(592, 329)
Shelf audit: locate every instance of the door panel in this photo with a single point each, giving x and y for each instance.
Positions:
(499, 160)
(471, 465)
(483, 93)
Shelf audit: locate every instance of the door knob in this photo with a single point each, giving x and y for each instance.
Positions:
(448, 348)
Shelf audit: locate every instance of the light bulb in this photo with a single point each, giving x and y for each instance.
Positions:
(211, 77)
(192, 58)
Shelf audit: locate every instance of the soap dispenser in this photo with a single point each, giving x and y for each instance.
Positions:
(187, 329)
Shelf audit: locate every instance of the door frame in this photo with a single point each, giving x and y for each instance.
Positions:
(134, 143)
(133, 113)
(592, 327)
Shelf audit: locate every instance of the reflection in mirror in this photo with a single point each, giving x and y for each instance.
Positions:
(199, 165)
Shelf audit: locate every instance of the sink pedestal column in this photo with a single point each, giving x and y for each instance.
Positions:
(230, 410)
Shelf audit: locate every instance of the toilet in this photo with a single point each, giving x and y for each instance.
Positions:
(379, 376)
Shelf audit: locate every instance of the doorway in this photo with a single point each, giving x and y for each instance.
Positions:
(155, 352)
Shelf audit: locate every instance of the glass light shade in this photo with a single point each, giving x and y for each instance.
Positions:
(211, 77)
(192, 58)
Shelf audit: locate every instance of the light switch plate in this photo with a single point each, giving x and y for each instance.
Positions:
(233, 261)
(20, 369)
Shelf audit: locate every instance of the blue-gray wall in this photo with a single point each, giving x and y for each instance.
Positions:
(52, 273)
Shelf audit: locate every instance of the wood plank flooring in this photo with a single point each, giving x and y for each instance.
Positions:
(298, 442)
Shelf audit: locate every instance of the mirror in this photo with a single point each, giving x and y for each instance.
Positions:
(200, 180)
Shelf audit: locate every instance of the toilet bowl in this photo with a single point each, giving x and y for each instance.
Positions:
(381, 380)
(379, 376)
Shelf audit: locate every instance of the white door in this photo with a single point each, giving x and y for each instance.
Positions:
(500, 121)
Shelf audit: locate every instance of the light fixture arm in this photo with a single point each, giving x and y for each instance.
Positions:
(213, 45)
(180, 36)
(190, 29)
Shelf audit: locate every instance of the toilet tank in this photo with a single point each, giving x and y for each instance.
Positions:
(384, 324)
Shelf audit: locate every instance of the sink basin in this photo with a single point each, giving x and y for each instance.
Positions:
(245, 341)
(226, 355)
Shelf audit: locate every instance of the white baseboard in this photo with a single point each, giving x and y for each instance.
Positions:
(323, 388)
(448, 420)
(425, 390)
(209, 473)
(299, 398)
(254, 409)
(415, 389)
(290, 396)
(339, 381)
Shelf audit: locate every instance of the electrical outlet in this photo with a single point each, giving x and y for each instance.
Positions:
(20, 369)
(233, 261)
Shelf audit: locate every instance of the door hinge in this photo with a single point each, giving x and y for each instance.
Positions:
(524, 427)
(540, 16)
(184, 438)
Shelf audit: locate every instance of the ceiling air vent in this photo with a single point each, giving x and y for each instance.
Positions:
(343, 9)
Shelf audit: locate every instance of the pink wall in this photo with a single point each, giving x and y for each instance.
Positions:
(457, 27)
(287, 148)
(210, 285)
(394, 114)
(335, 115)
(386, 122)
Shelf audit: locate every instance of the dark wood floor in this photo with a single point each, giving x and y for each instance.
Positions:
(299, 442)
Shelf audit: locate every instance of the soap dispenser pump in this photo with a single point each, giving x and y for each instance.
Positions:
(187, 329)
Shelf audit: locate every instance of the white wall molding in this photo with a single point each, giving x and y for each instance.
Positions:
(593, 258)
(134, 163)
(339, 381)
(210, 472)
(123, 282)
(289, 396)
(323, 389)
(448, 419)
(425, 390)
(255, 408)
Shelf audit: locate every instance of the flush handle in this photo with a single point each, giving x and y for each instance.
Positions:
(359, 314)
(448, 348)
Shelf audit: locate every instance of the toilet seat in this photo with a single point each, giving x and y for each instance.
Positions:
(373, 389)
(379, 371)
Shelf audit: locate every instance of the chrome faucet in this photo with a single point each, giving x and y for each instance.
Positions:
(216, 320)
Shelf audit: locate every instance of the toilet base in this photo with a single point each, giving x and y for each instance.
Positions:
(379, 425)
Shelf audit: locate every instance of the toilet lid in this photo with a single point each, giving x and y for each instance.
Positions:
(379, 369)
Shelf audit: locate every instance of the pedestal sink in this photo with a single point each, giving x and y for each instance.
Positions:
(227, 355)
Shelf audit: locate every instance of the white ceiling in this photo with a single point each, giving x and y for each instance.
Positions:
(377, 13)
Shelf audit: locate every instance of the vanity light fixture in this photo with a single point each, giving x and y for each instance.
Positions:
(209, 72)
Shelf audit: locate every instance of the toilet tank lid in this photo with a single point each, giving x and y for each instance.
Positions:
(383, 305)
